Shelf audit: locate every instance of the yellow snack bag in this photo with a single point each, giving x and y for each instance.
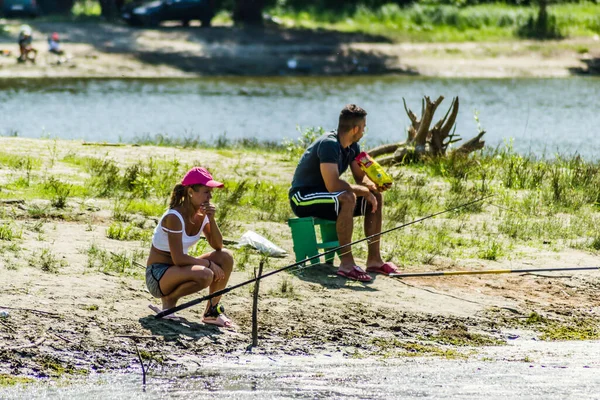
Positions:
(373, 170)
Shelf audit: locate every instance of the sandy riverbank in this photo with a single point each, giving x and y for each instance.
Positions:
(119, 51)
(68, 315)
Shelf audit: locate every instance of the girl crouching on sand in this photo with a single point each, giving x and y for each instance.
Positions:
(171, 273)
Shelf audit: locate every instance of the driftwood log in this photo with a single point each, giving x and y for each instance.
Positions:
(424, 140)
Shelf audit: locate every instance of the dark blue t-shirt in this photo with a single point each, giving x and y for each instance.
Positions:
(326, 149)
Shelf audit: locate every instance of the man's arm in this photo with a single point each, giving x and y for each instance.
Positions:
(361, 178)
(334, 183)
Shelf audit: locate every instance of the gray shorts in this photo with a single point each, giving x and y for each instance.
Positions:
(154, 273)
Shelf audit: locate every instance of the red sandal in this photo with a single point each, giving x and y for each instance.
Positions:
(356, 273)
(385, 269)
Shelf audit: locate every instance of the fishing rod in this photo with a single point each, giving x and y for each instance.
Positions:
(191, 303)
(485, 272)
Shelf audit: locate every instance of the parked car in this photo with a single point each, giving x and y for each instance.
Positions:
(15, 8)
(154, 12)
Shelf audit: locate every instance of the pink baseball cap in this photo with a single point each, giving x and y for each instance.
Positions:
(200, 176)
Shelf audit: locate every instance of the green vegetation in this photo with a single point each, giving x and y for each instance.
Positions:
(59, 192)
(119, 231)
(10, 380)
(285, 289)
(17, 162)
(196, 142)
(9, 232)
(392, 347)
(536, 201)
(295, 148)
(577, 330)
(108, 262)
(460, 336)
(450, 23)
(53, 366)
(86, 8)
(570, 329)
(422, 20)
(47, 261)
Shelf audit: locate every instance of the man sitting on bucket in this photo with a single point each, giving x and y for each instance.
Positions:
(318, 191)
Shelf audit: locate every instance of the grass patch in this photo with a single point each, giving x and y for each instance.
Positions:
(392, 347)
(573, 329)
(285, 289)
(119, 231)
(108, 262)
(222, 142)
(491, 251)
(146, 208)
(18, 162)
(582, 329)
(9, 232)
(10, 380)
(595, 244)
(47, 261)
(459, 336)
(53, 366)
(60, 191)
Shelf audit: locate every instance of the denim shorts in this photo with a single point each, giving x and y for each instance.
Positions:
(154, 273)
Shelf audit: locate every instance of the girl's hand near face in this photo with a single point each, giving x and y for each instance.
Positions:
(208, 209)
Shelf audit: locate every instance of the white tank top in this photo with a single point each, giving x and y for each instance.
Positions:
(160, 240)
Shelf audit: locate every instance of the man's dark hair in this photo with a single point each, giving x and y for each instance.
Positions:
(350, 117)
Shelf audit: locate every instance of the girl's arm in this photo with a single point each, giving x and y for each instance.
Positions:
(172, 225)
(211, 230)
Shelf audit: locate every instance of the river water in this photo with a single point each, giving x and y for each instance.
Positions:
(544, 116)
(524, 369)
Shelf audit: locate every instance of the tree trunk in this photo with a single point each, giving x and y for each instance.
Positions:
(109, 9)
(56, 6)
(248, 12)
(423, 140)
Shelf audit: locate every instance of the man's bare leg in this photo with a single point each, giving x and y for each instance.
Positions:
(373, 222)
(344, 226)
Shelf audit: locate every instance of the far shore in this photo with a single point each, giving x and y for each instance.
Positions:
(117, 51)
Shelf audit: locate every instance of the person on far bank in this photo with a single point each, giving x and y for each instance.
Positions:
(319, 191)
(54, 45)
(26, 50)
(171, 272)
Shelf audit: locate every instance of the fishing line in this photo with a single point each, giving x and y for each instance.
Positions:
(489, 271)
(302, 262)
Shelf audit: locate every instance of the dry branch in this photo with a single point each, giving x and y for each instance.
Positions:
(384, 149)
(25, 346)
(424, 140)
(53, 314)
(12, 201)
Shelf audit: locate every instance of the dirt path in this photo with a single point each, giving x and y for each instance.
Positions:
(103, 50)
(69, 314)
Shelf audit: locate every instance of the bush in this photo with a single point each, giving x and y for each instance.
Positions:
(296, 148)
(59, 191)
(119, 231)
(544, 26)
(8, 233)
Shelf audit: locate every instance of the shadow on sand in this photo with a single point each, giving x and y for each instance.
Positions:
(173, 330)
(325, 275)
(592, 67)
(250, 51)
